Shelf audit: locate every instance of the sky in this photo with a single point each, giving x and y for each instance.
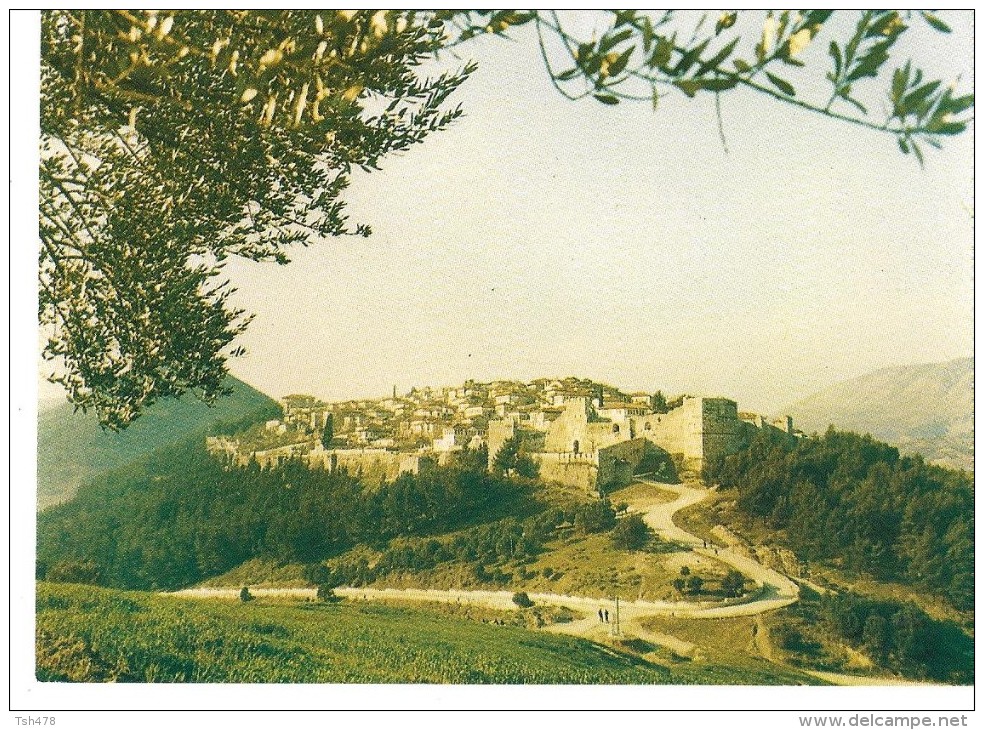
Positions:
(543, 237)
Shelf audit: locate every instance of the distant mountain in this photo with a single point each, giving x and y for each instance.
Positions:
(72, 448)
(926, 409)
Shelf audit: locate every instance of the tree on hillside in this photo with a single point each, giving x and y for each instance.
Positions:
(328, 432)
(506, 456)
(522, 599)
(513, 459)
(631, 533)
(733, 584)
(594, 517)
(174, 140)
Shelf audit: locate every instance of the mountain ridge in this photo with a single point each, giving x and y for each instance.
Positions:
(926, 408)
(72, 448)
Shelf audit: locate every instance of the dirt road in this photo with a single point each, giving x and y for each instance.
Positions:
(773, 591)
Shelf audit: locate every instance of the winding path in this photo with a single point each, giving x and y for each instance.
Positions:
(773, 590)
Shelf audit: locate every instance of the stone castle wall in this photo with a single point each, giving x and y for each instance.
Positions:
(723, 432)
(576, 470)
(680, 432)
(372, 465)
(617, 463)
(574, 431)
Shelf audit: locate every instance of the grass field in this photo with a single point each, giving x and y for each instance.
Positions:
(88, 634)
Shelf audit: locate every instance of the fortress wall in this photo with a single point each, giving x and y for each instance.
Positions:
(723, 432)
(372, 465)
(617, 463)
(572, 428)
(569, 427)
(498, 433)
(681, 431)
(579, 471)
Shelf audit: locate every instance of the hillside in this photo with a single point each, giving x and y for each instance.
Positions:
(88, 634)
(926, 409)
(72, 448)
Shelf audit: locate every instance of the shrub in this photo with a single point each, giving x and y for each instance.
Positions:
(631, 533)
(527, 467)
(326, 593)
(786, 637)
(733, 584)
(522, 599)
(594, 517)
(74, 571)
(316, 573)
(244, 595)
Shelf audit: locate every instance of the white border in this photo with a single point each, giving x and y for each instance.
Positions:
(34, 699)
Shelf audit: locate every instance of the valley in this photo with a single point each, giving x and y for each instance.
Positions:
(635, 565)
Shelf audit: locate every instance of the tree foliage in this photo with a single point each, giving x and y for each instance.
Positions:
(733, 583)
(851, 499)
(512, 458)
(173, 140)
(181, 515)
(631, 533)
(328, 432)
(594, 517)
(901, 636)
(631, 55)
(522, 599)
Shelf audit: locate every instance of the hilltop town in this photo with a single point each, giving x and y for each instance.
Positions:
(574, 431)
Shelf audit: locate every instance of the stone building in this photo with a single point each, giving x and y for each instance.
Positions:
(582, 448)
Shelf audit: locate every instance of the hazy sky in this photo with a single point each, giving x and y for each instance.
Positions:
(539, 237)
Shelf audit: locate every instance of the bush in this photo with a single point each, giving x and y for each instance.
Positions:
(733, 584)
(522, 599)
(527, 467)
(326, 593)
(631, 533)
(694, 584)
(244, 595)
(786, 637)
(316, 573)
(74, 571)
(594, 517)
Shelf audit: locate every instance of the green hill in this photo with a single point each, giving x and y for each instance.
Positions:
(926, 409)
(72, 448)
(88, 634)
